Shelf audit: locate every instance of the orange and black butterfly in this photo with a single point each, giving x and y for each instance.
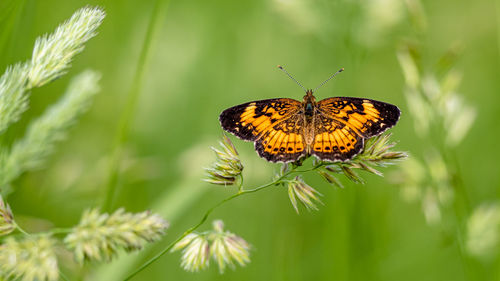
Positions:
(332, 129)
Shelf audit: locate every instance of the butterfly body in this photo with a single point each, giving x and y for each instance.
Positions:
(286, 130)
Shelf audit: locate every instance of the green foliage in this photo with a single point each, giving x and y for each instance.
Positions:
(99, 236)
(199, 247)
(44, 132)
(202, 57)
(52, 56)
(442, 118)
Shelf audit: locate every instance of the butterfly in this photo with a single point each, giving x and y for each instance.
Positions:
(287, 130)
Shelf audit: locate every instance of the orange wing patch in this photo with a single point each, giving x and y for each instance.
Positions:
(364, 116)
(283, 142)
(340, 143)
(249, 121)
(258, 119)
(343, 123)
(280, 142)
(274, 125)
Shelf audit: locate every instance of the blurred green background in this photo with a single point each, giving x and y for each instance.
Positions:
(205, 56)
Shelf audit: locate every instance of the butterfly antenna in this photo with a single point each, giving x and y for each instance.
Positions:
(281, 67)
(340, 70)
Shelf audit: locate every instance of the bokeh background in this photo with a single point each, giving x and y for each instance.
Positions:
(204, 56)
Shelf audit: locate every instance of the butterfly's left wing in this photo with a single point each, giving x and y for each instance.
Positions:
(366, 117)
(274, 125)
(342, 124)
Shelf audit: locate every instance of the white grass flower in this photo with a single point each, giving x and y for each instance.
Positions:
(227, 167)
(237, 248)
(379, 18)
(220, 254)
(196, 255)
(100, 236)
(52, 56)
(435, 106)
(53, 53)
(224, 247)
(228, 248)
(13, 100)
(306, 195)
(411, 177)
(7, 224)
(51, 127)
(483, 231)
(409, 67)
(218, 226)
(29, 259)
(431, 207)
(184, 242)
(459, 118)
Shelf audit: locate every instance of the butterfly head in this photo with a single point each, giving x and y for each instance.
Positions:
(309, 97)
(309, 102)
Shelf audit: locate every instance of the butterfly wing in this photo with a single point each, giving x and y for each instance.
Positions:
(334, 141)
(274, 125)
(367, 117)
(342, 124)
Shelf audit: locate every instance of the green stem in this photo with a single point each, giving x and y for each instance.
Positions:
(497, 7)
(461, 205)
(313, 168)
(240, 184)
(59, 231)
(203, 219)
(53, 231)
(458, 182)
(129, 110)
(63, 276)
(24, 232)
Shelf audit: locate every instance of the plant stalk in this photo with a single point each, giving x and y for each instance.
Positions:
(203, 219)
(130, 107)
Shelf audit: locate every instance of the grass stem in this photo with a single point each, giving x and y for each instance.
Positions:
(127, 115)
(204, 218)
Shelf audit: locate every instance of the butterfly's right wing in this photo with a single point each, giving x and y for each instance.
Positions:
(275, 125)
(342, 124)
(365, 116)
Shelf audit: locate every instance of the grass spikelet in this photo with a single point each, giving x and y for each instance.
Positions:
(52, 54)
(7, 224)
(99, 237)
(29, 259)
(227, 167)
(44, 132)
